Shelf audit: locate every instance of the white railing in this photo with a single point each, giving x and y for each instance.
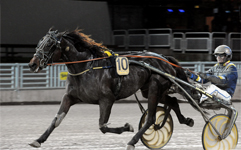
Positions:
(18, 77)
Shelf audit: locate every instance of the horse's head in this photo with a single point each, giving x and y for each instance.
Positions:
(47, 49)
(67, 44)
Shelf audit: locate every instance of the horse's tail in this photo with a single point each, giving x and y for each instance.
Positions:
(179, 70)
(172, 60)
(182, 75)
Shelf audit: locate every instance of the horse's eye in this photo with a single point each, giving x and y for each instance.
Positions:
(49, 43)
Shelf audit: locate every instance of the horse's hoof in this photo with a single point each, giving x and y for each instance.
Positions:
(35, 144)
(130, 127)
(130, 147)
(190, 122)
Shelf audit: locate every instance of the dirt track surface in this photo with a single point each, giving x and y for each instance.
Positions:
(22, 124)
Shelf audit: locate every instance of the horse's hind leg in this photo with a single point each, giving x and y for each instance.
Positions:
(63, 110)
(172, 102)
(105, 110)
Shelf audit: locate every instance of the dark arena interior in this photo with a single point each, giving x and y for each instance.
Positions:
(135, 48)
(212, 21)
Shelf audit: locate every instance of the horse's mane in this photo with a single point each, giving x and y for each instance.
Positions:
(81, 40)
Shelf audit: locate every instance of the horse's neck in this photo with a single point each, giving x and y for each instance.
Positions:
(70, 54)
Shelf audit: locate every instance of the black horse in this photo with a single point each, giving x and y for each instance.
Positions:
(104, 86)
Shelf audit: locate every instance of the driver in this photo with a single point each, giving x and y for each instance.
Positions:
(223, 76)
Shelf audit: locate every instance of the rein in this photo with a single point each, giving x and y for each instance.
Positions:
(133, 56)
(76, 62)
(159, 59)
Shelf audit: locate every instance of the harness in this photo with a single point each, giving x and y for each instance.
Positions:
(94, 68)
(110, 56)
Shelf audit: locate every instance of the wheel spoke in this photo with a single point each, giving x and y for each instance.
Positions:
(210, 138)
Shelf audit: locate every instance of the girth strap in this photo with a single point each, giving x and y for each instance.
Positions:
(118, 86)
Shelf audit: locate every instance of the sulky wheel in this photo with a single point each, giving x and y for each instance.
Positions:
(155, 138)
(210, 139)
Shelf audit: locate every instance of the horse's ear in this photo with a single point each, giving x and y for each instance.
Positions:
(51, 29)
(63, 33)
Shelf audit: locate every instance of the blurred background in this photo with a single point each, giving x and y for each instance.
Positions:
(179, 15)
(127, 24)
(189, 30)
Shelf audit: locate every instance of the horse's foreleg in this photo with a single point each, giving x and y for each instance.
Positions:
(150, 120)
(172, 102)
(105, 110)
(63, 110)
(153, 96)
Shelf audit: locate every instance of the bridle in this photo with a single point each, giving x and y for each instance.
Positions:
(50, 40)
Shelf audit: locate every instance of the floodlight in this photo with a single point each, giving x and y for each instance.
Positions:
(181, 10)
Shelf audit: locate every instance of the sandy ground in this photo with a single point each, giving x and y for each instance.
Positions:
(21, 124)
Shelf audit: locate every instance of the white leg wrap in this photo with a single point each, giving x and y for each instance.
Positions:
(59, 119)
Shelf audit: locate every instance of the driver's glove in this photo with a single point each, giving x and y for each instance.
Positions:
(203, 75)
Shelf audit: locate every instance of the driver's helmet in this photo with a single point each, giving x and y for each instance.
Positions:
(224, 49)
